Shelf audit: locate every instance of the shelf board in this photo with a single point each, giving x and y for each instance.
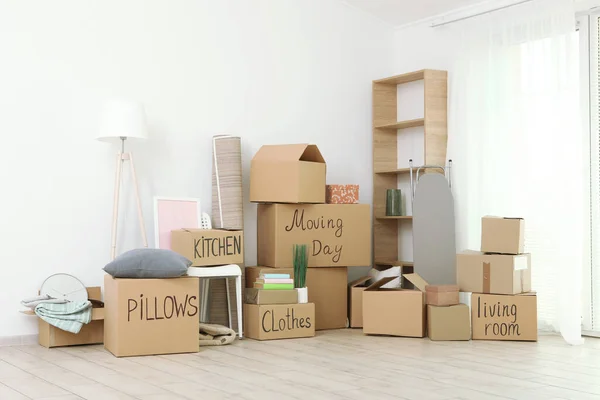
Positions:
(409, 217)
(393, 171)
(404, 78)
(411, 123)
(393, 263)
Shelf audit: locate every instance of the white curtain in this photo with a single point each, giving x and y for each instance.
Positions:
(516, 142)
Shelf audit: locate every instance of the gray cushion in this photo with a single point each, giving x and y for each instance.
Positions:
(148, 263)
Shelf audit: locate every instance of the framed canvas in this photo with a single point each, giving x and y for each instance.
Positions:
(174, 213)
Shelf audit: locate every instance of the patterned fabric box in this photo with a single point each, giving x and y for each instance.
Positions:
(341, 194)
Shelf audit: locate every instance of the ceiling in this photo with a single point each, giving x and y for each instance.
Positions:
(400, 12)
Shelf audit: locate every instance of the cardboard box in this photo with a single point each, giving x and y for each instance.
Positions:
(259, 296)
(328, 290)
(335, 234)
(341, 194)
(355, 301)
(209, 247)
(442, 295)
(252, 273)
(502, 235)
(395, 312)
(291, 173)
(151, 316)
(279, 321)
(465, 298)
(448, 322)
(92, 333)
(493, 273)
(504, 317)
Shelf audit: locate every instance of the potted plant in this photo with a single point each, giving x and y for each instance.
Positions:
(300, 265)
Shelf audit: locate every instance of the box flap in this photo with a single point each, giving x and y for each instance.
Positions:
(380, 283)
(289, 152)
(416, 280)
(495, 217)
(359, 281)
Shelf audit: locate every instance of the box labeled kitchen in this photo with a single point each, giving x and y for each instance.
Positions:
(395, 312)
(151, 316)
(335, 234)
(502, 235)
(355, 301)
(504, 317)
(327, 289)
(493, 273)
(209, 247)
(289, 173)
(279, 321)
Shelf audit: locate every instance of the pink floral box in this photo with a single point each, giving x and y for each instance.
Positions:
(341, 194)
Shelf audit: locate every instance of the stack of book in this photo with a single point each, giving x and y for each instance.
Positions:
(274, 282)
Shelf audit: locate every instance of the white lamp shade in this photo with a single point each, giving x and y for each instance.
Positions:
(122, 118)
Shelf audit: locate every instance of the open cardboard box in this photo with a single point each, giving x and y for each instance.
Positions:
(288, 173)
(92, 333)
(395, 312)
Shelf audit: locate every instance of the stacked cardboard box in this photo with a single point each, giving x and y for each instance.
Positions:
(289, 183)
(447, 319)
(496, 283)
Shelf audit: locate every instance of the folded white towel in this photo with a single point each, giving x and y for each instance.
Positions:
(32, 302)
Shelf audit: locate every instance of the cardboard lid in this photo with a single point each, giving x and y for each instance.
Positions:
(441, 288)
(416, 280)
(380, 283)
(289, 152)
(494, 217)
(359, 281)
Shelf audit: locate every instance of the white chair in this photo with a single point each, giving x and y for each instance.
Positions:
(225, 271)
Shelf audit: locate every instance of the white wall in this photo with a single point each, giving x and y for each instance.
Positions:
(278, 71)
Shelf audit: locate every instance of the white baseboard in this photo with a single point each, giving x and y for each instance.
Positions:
(18, 340)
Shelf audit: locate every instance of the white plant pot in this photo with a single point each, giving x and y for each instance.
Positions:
(302, 295)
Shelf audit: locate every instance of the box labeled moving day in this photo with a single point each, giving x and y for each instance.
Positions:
(289, 173)
(395, 312)
(253, 273)
(279, 321)
(209, 247)
(493, 273)
(449, 322)
(259, 296)
(335, 234)
(151, 316)
(327, 289)
(355, 301)
(502, 235)
(504, 317)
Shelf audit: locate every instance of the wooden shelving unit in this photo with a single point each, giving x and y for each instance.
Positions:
(386, 127)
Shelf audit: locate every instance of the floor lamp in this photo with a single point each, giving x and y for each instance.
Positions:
(122, 120)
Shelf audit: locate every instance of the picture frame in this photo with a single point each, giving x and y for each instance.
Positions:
(172, 213)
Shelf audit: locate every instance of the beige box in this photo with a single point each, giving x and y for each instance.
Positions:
(442, 295)
(92, 333)
(260, 296)
(335, 234)
(151, 316)
(395, 312)
(449, 322)
(279, 321)
(209, 247)
(253, 273)
(493, 273)
(502, 235)
(327, 289)
(355, 301)
(290, 173)
(504, 317)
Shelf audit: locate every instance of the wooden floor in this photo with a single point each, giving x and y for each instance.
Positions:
(334, 365)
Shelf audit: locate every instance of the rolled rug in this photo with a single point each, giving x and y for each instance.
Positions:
(228, 213)
(215, 335)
